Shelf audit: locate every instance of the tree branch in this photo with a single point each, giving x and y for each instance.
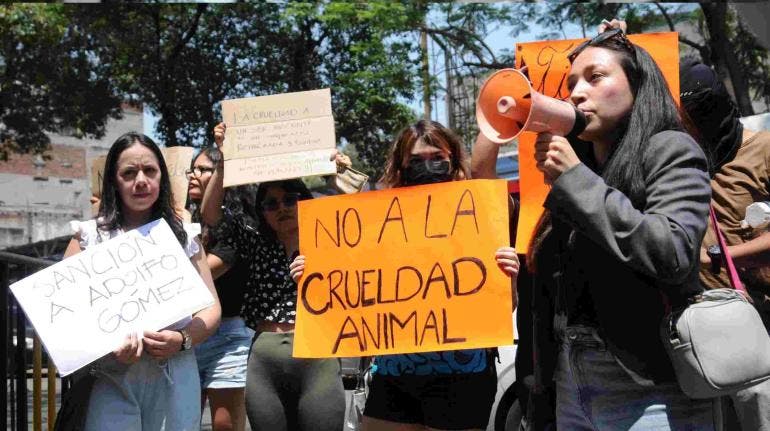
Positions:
(451, 33)
(201, 7)
(665, 16)
(688, 42)
(493, 65)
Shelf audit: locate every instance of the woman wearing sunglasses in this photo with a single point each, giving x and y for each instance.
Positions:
(282, 393)
(451, 390)
(617, 245)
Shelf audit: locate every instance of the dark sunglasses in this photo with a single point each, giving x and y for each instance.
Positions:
(272, 204)
(599, 38)
(197, 171)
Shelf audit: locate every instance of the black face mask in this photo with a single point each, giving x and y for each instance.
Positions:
(713, 113)
(420, 171)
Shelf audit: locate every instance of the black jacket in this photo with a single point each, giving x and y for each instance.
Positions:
(630, 260)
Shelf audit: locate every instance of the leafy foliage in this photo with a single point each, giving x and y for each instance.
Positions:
(49, 80)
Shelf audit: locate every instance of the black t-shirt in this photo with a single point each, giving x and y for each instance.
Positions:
(232, 284)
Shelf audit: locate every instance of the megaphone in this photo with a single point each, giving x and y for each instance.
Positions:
(508, 105)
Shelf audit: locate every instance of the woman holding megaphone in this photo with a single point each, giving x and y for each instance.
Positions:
(618, 244)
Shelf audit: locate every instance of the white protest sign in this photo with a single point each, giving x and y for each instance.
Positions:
(83, 306)
(278, 137)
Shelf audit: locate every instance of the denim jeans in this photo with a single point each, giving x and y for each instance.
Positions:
(595, 392)
(148, 395)
(223, 356)
(750, 407)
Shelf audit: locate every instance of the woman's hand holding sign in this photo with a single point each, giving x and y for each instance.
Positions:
(163, 344)
(343, 162)
(506, 258)
(219, 134)
(507, 261)
(297, 267)
(130, 351)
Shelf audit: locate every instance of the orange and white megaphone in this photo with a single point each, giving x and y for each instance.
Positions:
(508, 105)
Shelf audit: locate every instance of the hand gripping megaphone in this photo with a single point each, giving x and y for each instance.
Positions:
(508, 105)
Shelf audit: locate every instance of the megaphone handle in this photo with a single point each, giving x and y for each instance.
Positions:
(579, 126)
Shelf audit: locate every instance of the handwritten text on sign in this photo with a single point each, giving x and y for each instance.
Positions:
(404, 270)
(548, 68)
(278, 137)
(83, 306)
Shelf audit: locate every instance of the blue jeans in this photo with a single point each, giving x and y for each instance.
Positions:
(595, 392)
(148, 395)
(752, 407)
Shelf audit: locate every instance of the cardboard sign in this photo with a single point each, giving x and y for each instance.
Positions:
(84, 306)
(278, 137)
(178, 160)
(548, 70)
(404, 270)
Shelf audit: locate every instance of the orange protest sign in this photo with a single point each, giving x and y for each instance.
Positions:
(548, 68)
(404, 270)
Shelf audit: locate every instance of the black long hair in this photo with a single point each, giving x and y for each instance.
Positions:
(289, 186)
(111, 206)
(653, 111)
(240, 201)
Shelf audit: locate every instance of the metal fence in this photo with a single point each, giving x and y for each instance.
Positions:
(24, 366)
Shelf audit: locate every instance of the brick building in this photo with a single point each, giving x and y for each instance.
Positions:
(40, 194)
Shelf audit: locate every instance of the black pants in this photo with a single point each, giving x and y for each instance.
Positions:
(284, 393)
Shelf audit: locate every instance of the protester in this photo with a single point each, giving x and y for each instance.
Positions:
(457, 388)
(150, 382)
(740, 175)
(618, 243)
(282, 393)
(222, 357)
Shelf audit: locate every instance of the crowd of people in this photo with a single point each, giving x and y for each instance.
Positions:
(621, 242)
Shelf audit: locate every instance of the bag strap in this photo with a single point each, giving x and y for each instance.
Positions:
(735, 282)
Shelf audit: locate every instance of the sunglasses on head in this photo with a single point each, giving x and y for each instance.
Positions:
(599, 38)
(272, 204)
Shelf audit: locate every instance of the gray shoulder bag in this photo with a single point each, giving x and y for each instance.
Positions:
(717, 343)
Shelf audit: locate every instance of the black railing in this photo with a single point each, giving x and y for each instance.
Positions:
(22, 364)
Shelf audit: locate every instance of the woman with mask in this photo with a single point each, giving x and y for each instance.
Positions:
(150, 382)
(740, 175)
(449, 390)
(222, 357)
(617, 246)
(282, 393)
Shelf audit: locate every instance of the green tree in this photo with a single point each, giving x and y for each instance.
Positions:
(458, 30)
(49, 80)
(181, 60)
